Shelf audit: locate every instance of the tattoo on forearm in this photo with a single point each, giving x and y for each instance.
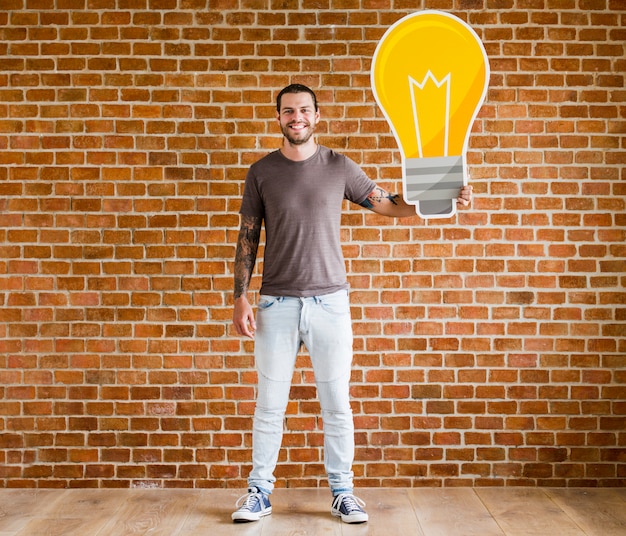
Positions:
(378, 196)
(245, 257)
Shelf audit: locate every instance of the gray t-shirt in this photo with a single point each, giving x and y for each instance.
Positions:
(300, 203)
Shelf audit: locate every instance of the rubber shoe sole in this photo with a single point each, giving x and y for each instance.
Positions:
(352, 518)
(247, 517)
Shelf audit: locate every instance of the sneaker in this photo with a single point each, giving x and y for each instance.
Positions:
(252, 506)
(349, 508)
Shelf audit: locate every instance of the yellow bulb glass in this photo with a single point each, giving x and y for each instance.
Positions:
(429, 76)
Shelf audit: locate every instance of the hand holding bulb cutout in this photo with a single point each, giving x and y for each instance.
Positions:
(429, 76)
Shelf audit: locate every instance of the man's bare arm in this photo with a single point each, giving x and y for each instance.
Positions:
(393, 205)
(388, 204)
(245, 258)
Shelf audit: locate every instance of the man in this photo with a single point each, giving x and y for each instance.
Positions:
(297, 191)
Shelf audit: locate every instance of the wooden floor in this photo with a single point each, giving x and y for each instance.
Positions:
(303, 512)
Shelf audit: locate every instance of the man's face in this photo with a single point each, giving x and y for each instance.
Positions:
(297, 117)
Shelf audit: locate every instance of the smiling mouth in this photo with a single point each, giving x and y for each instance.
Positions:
(298, 126)
(298, 132)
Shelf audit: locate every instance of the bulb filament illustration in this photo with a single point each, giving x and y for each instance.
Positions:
(423, 99)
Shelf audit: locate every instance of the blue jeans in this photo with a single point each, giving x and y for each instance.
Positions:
(324, 326)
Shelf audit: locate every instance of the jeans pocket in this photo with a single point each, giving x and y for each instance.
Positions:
(266, 302)
(337, 304)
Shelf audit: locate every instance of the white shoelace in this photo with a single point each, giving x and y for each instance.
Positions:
(352, 503)
(247, 501)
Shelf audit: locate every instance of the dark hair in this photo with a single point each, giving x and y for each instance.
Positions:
(295, 88)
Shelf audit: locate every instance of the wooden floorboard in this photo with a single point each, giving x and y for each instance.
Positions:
(306, 512)
(447, 511)
(527, 512)
(598, 513)
(21, 506)
(390, 513)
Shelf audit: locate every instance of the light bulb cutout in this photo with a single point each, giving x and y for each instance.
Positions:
(429, 76)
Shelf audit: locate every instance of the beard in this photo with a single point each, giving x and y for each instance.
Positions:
(304, 135)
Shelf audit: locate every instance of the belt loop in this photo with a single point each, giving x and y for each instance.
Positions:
(317, 299)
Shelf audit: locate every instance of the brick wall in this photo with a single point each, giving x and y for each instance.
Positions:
(490, 347)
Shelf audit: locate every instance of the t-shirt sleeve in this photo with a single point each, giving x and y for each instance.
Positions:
(251, 203)
(358, 184)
